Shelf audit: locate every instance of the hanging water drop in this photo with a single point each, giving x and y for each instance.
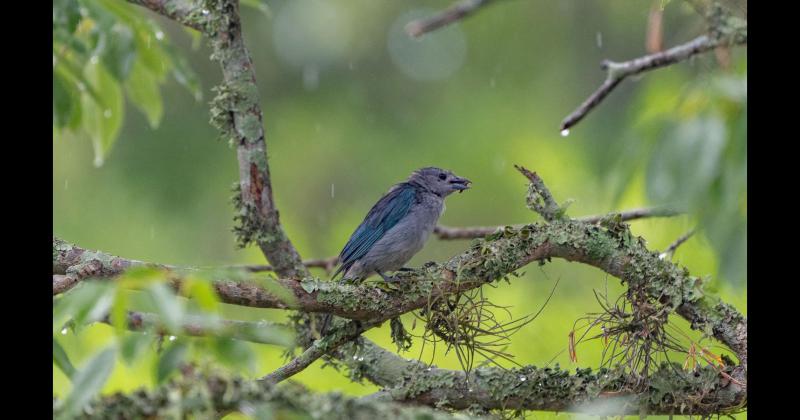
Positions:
(172, 338)
(522, 379)
(205, 12)
(94, 59)
(159, 35)
(565, 132)
(64, 331)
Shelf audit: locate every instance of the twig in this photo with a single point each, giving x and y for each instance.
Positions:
(321, 347)
(239, 330)
(678, 242)
(327, 263)
(617, 72)
(539, 198)
(452, 14)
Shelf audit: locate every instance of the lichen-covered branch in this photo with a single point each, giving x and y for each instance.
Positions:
(236, 112)
(341, 335)
(473, 232)
(198, 395)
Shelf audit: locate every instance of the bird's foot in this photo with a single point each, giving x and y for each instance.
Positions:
(390, 282)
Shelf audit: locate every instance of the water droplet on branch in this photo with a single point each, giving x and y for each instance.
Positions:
(565, 132)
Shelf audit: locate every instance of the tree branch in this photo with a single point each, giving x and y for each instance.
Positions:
(473, 232)
(236, 112)
(321, 347)
(197, 395)
(186, 12)
(239, 330)
(617, 72)
(452, 14)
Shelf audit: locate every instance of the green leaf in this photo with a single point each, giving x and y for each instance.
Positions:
(168, 307)
(170, 360)
(87, 302)
(102, 121)
(132, 346)
(142, 88)
(203, 292)
(234, 353)
(61, 359)
(686, 163)
(120, 53)
(183, 73)
(267, 334)
(259, 5)
(66, 102)
(88, 381)
(119, 311)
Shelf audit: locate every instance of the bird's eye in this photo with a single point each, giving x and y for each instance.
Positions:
(442, 177)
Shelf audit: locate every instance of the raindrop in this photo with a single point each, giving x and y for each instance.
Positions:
(662, 256)
(355, 357)
(94, 59)
(172, 338)
(469, 390)
(204, 12)
(491, 82)
(66, 184)
(107, 113)
(333, 192)
(64, 331)
(599, 40)
(522, 378)
(159, 35)
(565, 132)
(351, 66)
(360, 359)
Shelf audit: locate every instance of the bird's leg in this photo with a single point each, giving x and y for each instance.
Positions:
(386, 278)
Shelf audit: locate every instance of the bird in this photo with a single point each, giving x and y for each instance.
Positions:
(398, 225)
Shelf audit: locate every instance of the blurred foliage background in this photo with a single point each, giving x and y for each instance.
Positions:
(352, 105)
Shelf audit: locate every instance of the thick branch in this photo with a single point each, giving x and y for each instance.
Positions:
(452, 14)
(195, 395)
(236, 112)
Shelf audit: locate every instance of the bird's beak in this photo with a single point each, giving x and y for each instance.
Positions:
(460, 184)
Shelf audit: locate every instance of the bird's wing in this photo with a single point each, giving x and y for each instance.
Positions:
(389, 210)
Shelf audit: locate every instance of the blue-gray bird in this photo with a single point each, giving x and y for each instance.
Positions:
(398, 225)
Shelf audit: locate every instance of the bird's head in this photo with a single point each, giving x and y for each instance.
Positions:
(439, 181)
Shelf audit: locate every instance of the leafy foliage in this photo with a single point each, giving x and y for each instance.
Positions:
(696, 143)
(165, 329)
(103, 51)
